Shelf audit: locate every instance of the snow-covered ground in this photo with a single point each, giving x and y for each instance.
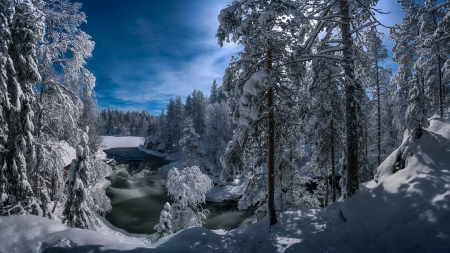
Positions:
(406, 211)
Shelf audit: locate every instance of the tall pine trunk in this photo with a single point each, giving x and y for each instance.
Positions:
(379, 115)
(441, 86)
(333, 171)
(327, 188)
(351, 102)
(271, 169)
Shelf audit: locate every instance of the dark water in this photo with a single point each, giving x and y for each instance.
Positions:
(138, 195)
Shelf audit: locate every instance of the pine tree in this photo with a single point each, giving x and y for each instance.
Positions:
(326, 131)
(179, 109)
(261, 28)
(198, 111)
(405, 36)
(418, 108)
(432, 51)
(214, 96)
(376, 53)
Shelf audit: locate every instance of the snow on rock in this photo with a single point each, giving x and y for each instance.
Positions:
(121, 142)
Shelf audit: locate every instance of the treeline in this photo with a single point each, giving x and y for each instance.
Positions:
(119, 123)
(204, 117)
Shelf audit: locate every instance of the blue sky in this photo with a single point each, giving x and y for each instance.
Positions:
(150, 50)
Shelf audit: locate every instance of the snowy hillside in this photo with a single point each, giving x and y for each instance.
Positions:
(406, 211)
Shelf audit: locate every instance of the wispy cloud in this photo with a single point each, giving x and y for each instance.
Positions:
(184, 63)
(171, 56)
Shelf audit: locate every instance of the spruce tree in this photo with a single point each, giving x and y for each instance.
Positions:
(76, 212)
(190, 143)
(22, 28)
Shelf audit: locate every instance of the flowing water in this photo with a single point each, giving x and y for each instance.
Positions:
(138, 195)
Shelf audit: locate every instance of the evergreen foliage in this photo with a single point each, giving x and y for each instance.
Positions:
(76, 212)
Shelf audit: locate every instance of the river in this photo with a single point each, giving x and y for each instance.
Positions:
(138, 195)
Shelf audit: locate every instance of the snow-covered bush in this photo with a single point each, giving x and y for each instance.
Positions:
(164, 227)
(187, 188)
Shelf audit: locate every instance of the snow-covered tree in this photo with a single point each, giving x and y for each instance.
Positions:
(62, 58)
(76, 211)
(90, 118)
(190, 143)
(376, 53)
(187, 188)
(433, 50)
(254, 83)
(22, 27)
(214, 96)
(418, 108)
(164, 227)
(405, 51)
(217, 134)
(96, 199)
(199, 103)
(326, 131)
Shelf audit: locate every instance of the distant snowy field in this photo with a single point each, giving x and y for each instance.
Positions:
(121, 142)
(108, 142)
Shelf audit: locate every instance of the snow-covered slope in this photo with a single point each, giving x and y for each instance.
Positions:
(405, 211)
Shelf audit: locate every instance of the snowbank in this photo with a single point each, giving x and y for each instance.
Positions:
(121, 142)
(37, 234)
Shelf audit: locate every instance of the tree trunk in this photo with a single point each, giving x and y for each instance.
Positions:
(351, 102)
(333, 172)
(271, 169)
(379, 115)
(327, 190)
(441, 86)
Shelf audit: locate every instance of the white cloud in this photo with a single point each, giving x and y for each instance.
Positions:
(155, 80)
